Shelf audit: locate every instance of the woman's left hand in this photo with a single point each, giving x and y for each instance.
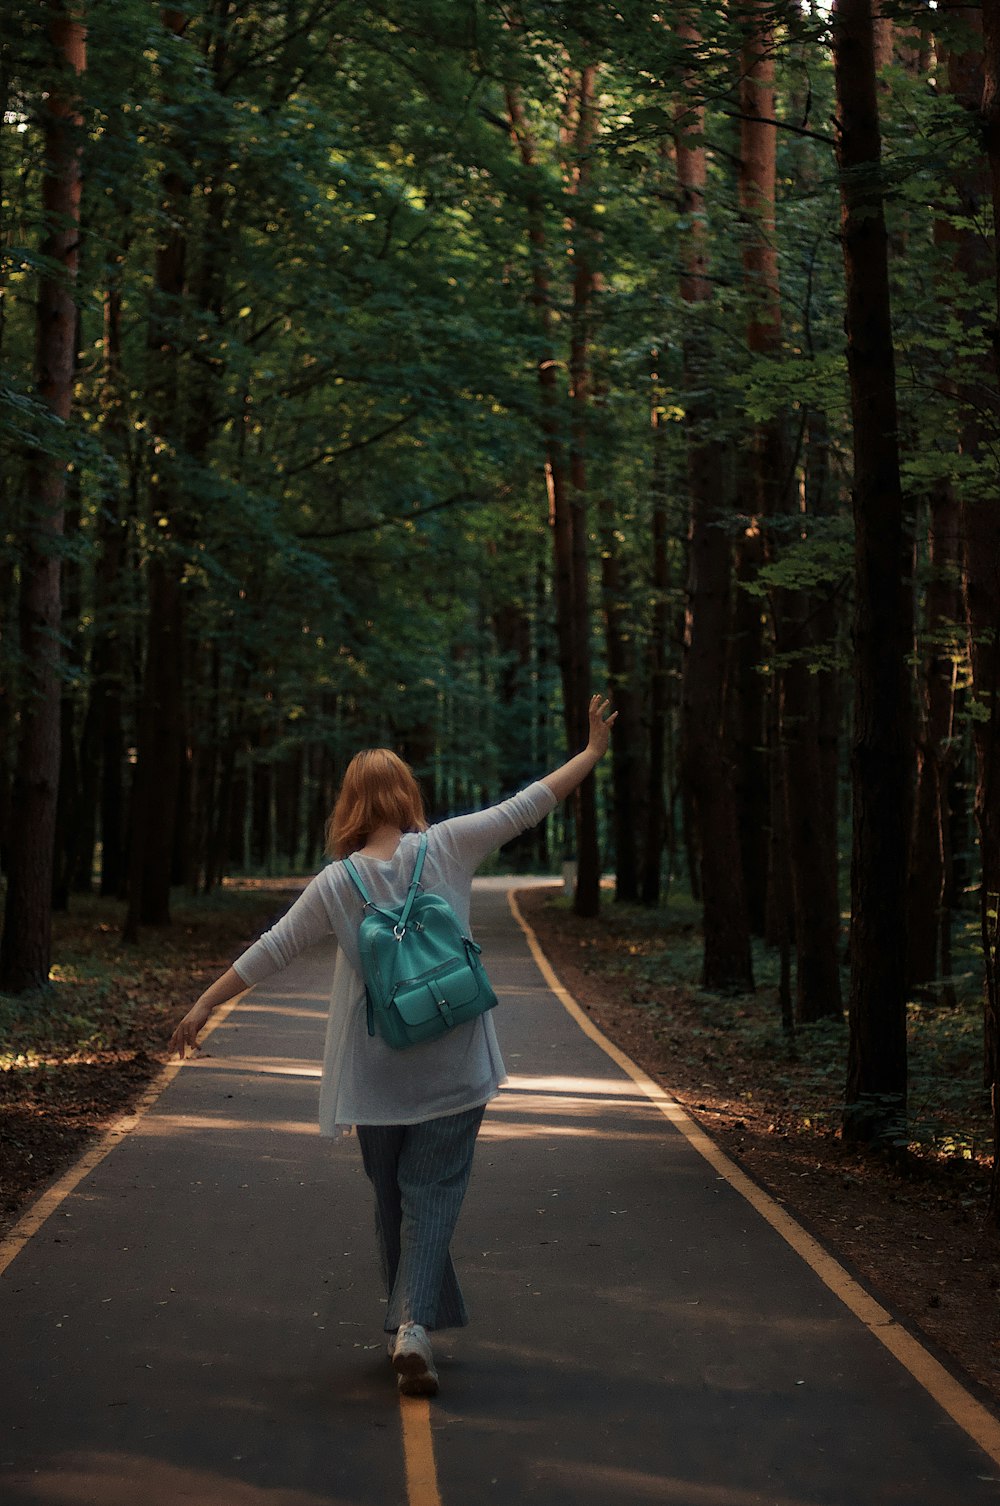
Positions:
(186, 1034)
(600, 725)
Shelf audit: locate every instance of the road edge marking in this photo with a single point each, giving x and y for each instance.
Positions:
(418, 1452)
(46, 1203)
(961, 1406)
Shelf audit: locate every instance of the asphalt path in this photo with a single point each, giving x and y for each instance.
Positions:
(200, 1320)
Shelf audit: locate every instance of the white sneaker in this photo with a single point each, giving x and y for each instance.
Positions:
(413, 1362)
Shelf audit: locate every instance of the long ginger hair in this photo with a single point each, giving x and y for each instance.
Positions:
(378, 789)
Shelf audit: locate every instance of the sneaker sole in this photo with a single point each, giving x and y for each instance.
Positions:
(413, 1376)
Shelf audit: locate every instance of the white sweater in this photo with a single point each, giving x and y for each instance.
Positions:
(365, 1080)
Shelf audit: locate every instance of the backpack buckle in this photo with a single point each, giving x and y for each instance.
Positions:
(399, 934)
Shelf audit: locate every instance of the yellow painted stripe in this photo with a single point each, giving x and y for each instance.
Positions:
(960, 1405)
(418, 1450)
(45, 1205)
(418, 1445)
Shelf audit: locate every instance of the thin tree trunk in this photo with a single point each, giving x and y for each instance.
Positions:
(567, 519)
(707, 756)
(69, 804)
(764, 481)
(656, 808)
(512, 629)
(627, 782)
(8, 585)
(106, 662)
(930, 885)
(822, 502)
(812, 889)
(883, 628)
(982, 597)
(931, 881)
(587, 899)
(25, 951)
(156, 781)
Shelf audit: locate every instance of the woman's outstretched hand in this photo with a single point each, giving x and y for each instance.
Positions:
(219, 992)
(600, 725)
(186, 1034)
(563, 781)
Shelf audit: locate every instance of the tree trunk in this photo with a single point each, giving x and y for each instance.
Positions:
(587, 899)
(748, 715)
(627, 782)
(106, 662)
(982, 597)
(822, 502)
(513, 632)
(883, 617)
(930, 881)
(69, 802)
(707, 756)
(156, 780)
(811, 889)
(8, 584)
(25, 951)
(567, 507)
(656, 700)
(763, 480)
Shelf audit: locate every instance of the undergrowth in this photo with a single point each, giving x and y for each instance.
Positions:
(108, 998)
(655, 955)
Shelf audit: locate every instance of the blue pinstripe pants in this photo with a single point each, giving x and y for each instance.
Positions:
(419, 1173)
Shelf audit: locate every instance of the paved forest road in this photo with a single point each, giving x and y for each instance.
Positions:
(200, 1320)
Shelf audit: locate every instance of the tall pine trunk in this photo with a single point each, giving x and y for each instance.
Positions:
(567, 520)
(156, 781)
(654, 830)
(577, 146)
(707, 753)
(803, 853)
(25, 950)
(875, 1107)
(982, 595)
(628, 786)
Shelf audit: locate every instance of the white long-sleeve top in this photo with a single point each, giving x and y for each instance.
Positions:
(365, 1080)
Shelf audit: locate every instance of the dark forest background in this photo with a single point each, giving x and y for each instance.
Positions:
(401, 374)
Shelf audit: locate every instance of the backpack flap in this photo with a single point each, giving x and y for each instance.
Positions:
(447, 993)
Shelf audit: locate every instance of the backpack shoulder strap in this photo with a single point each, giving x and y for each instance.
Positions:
(411, 893)
(355, 875)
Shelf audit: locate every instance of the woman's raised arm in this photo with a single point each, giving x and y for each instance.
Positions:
(564, 780)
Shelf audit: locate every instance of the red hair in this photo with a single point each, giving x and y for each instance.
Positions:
(378, 789)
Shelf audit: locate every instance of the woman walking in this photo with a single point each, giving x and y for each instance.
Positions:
(417, 1111)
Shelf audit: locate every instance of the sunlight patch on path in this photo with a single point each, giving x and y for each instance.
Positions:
(949, 1393)
(119, 1479)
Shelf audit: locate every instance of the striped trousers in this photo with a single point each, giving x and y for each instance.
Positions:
(419, 1173)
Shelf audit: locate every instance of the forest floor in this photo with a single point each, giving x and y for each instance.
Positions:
(74, 1059)
(916, 1236)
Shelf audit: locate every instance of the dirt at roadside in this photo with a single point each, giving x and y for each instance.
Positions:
(75, 1059)
(917, 1240)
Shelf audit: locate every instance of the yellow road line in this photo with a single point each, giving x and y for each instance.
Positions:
(418, 1445)
(45, 1205)
(960, 1405)
(418, 1450)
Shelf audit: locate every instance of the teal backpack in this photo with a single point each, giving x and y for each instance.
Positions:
(422, 975)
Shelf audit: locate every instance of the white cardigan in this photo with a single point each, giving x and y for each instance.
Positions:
(365, 1080)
